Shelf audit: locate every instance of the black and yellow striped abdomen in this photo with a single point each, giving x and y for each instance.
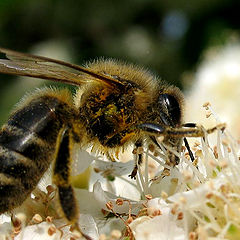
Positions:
(27, 147)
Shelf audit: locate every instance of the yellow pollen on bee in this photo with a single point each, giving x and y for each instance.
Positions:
(111, 108)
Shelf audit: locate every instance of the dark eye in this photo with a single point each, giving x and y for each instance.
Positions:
(171, 110)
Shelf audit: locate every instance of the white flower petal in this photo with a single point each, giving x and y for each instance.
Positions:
(104, 197)
(81, 160)
(115, 168)
(159, 227)
(88, 226)
(166, 184)
(87, 203)
(196, 197)
(4, 218)
(5, 230)
(39, 231)
(159, 204)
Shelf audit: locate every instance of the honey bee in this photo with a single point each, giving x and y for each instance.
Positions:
(115, 105)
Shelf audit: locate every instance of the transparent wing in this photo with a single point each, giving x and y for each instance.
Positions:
(23, 64)
(39, 70)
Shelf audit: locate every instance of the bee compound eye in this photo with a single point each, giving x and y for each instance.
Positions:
(172, 107)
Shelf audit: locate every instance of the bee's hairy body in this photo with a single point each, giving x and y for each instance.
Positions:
(116, 105)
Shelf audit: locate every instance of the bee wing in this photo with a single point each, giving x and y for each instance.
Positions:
(23, 64)
(38, 70)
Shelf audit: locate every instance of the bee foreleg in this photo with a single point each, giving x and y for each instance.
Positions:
(178, 132)
(61, 177)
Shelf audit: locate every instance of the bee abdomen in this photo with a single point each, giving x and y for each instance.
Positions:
(18, 176)
(26, 143)
(12, 192)
(27, 147)
(40, 116)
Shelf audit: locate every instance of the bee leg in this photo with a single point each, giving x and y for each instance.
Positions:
(139, 160)
(178, 132)
(61, 177)
(191, 125)
(187, 130)
(189, 149)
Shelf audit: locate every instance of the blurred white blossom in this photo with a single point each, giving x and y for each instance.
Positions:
(217, 80)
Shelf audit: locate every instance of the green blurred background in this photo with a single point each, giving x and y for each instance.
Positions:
(168, 37)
